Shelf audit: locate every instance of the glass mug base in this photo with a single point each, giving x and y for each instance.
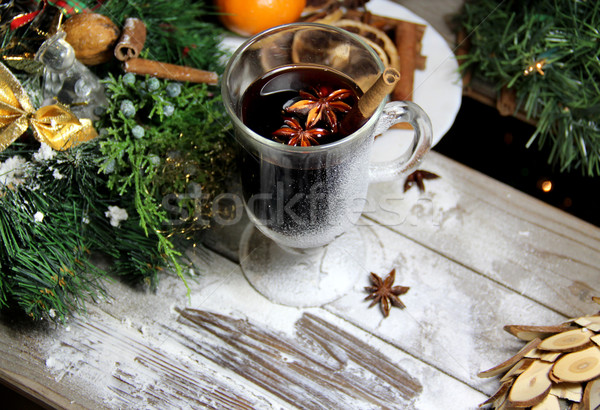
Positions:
(302, 277)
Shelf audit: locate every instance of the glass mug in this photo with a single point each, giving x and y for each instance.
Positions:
(305, 197)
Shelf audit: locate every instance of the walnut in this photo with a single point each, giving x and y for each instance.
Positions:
(93, 36)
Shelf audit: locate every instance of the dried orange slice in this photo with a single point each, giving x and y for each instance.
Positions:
(373, 35)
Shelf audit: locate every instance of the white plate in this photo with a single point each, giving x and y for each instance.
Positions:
(437, 89)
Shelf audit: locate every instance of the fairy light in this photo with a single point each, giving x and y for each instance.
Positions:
(546, 185)
(537, 66)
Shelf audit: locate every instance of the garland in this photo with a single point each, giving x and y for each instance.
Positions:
(133, 192)
(547, 51)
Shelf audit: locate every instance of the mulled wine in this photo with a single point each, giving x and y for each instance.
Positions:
(312, 195)
(300, 100)
(306, 155)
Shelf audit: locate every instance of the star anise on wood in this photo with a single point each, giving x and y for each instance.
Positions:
(382, 291)
(417, 177)
(321, 104)
(295, 134)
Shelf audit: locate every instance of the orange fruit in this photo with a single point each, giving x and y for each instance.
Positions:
(249, 17)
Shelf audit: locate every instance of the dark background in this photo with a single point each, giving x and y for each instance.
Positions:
(12, 400)
(482, 139)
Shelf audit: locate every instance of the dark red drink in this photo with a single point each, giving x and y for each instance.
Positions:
(308, 195)
(311, 97)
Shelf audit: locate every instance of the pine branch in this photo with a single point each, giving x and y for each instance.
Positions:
(50, 224)
(46, 272)
(175, 141)
(162, 138)
(563, 93)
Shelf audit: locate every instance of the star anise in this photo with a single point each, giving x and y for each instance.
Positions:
(296, 135)
(321, 104)
(417, 177)
(383, 291)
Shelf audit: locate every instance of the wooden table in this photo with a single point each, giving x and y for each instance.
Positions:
(476, 254)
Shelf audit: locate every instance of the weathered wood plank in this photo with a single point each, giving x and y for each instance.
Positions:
(454, 316)
(322, 367)
(511, 238)
(22, 365)
(476, 254)
(459, 307)
(134, 353)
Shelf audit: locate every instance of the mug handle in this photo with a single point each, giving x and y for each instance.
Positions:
(393, 113)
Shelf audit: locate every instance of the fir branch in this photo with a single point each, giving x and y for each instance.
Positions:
(183, 138)
(160, 138)
(175, 141)
(46, 272)
(563, 37)
(50, 225)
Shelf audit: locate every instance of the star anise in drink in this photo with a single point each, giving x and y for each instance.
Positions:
(294, 134)
(321, 104)
(382, 291)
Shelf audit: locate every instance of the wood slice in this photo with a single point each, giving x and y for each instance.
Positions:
(550, 356)
(596, 339)
(532, 386)
(498, 398)
(544, 355)
(517, 369)
(591, 395)
(528, 333)
(578, 366)
(373, 34)
(590, 322)
(567, 391)
(567, 341)
(504, 366)
(550, 402)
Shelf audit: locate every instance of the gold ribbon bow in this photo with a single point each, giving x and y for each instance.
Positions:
(54, 124)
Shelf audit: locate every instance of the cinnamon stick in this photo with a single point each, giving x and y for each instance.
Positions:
(406, 41)
(132, 39)
(371, 99)
(170, 71)
(421, 60)
(368, 103)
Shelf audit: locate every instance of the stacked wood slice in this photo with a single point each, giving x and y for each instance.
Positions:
(559, 367)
